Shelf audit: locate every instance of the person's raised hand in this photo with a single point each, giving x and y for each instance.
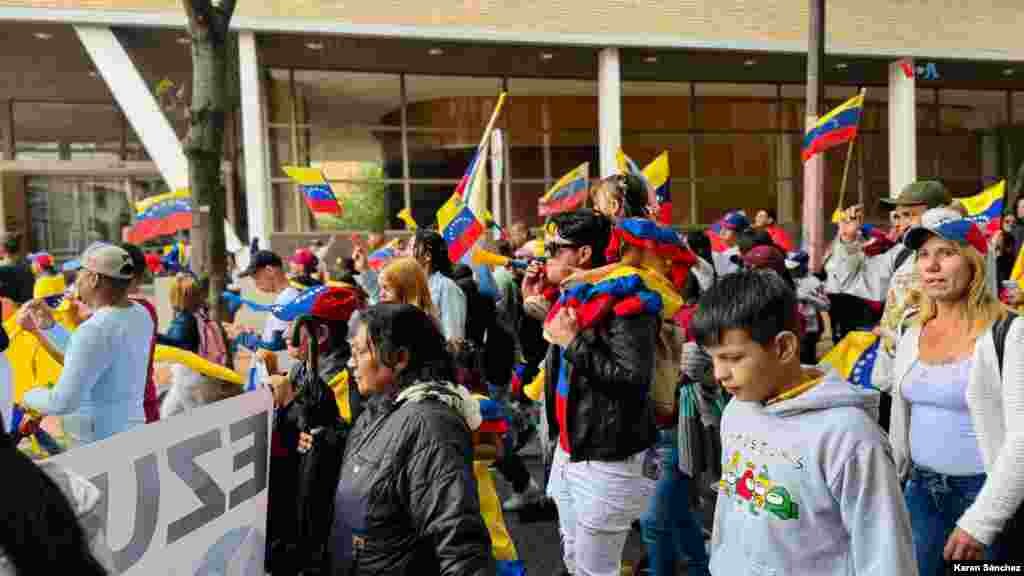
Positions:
(850, 222)
(533, 280)
(359, 258)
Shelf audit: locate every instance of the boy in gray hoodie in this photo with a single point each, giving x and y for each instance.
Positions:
(808, 482)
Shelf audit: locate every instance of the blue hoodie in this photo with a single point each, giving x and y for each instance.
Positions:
(809, 488)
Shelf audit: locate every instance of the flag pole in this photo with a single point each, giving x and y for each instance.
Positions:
(846, 166)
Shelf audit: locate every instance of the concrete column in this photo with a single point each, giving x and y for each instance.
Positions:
(609, 108)
(7, 128)
(255, 150)
(902, 128)
(138, 103)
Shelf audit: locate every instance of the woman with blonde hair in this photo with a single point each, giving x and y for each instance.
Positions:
(403, 281)
(957, 427)
(185, 298)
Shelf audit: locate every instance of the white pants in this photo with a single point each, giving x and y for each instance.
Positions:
(597, 504)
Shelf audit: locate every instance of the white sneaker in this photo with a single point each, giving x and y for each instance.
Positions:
(517, 502)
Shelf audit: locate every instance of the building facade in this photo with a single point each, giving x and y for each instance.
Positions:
(389, 99)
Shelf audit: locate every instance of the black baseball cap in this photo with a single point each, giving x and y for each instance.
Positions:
(262, 259)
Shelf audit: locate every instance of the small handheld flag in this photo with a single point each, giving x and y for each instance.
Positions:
(405, 215)
(657, 175)
(839, 126)
(314, 187)
(628, 166)
(568, 193)
(459, 227)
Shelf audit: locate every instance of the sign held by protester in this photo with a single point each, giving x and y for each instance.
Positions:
(187, 495)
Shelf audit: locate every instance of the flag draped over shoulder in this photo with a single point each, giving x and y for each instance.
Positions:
(657, 175)
(161, 215)
(315, 189)
(854, 357)
(840, 125)
(568, 193)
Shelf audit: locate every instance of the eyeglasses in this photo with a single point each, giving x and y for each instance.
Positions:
(552, 249)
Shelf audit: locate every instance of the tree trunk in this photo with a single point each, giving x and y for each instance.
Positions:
(204, 144)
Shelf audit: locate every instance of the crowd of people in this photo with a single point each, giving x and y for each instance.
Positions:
(654, 361)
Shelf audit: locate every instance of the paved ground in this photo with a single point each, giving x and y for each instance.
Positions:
(537, 539)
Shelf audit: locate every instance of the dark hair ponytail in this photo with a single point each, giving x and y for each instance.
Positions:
(40, 533)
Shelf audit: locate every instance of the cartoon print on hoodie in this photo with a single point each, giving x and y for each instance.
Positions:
(809, 487)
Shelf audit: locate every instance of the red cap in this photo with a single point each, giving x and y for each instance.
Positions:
(304, 257)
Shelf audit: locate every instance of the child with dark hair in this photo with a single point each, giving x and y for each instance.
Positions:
(809, 485)
(621, 196)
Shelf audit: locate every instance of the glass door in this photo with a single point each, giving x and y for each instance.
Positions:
(69, 213)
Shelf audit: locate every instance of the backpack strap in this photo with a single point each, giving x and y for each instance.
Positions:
(999, 331)
(901, 258)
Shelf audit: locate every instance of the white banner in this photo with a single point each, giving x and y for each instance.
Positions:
(188, 495)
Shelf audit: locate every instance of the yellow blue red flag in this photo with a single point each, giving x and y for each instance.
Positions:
(568, 193)
(315, 189)
(986, 205)
(840, 125)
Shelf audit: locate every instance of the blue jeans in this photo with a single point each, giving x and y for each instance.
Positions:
(935, 503)
(669, 527)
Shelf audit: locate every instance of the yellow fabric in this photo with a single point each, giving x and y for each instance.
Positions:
(305, 176)
(982, 201)
(405, 215)
(535, 389)
(47, 286)
(1018, 267)
(143, 204)
(844, 355)
(339, 384)
(197, 363)
(31, 366)
(796, 391)
(656, 172)
(655, 282)
(502, 546)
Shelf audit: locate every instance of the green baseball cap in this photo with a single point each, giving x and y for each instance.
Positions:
(929, 192)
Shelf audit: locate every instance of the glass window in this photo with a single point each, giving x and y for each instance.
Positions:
(68, 214)
(660, 106)
(340, 99)
(737, 107)
(524, 203)
(735, 155)
(463, 104)
(51, 130)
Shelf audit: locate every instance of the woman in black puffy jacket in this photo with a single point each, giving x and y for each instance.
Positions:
(407, 488)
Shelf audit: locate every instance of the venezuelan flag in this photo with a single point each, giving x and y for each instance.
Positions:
(657, 175)
(568, 193)
(380, 258)
(161, 215)
(986, 206)
(459, 227)
(838, 126)
(319, 196)
(854, 357)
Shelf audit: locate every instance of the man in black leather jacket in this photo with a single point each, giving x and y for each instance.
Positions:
(598, 407)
